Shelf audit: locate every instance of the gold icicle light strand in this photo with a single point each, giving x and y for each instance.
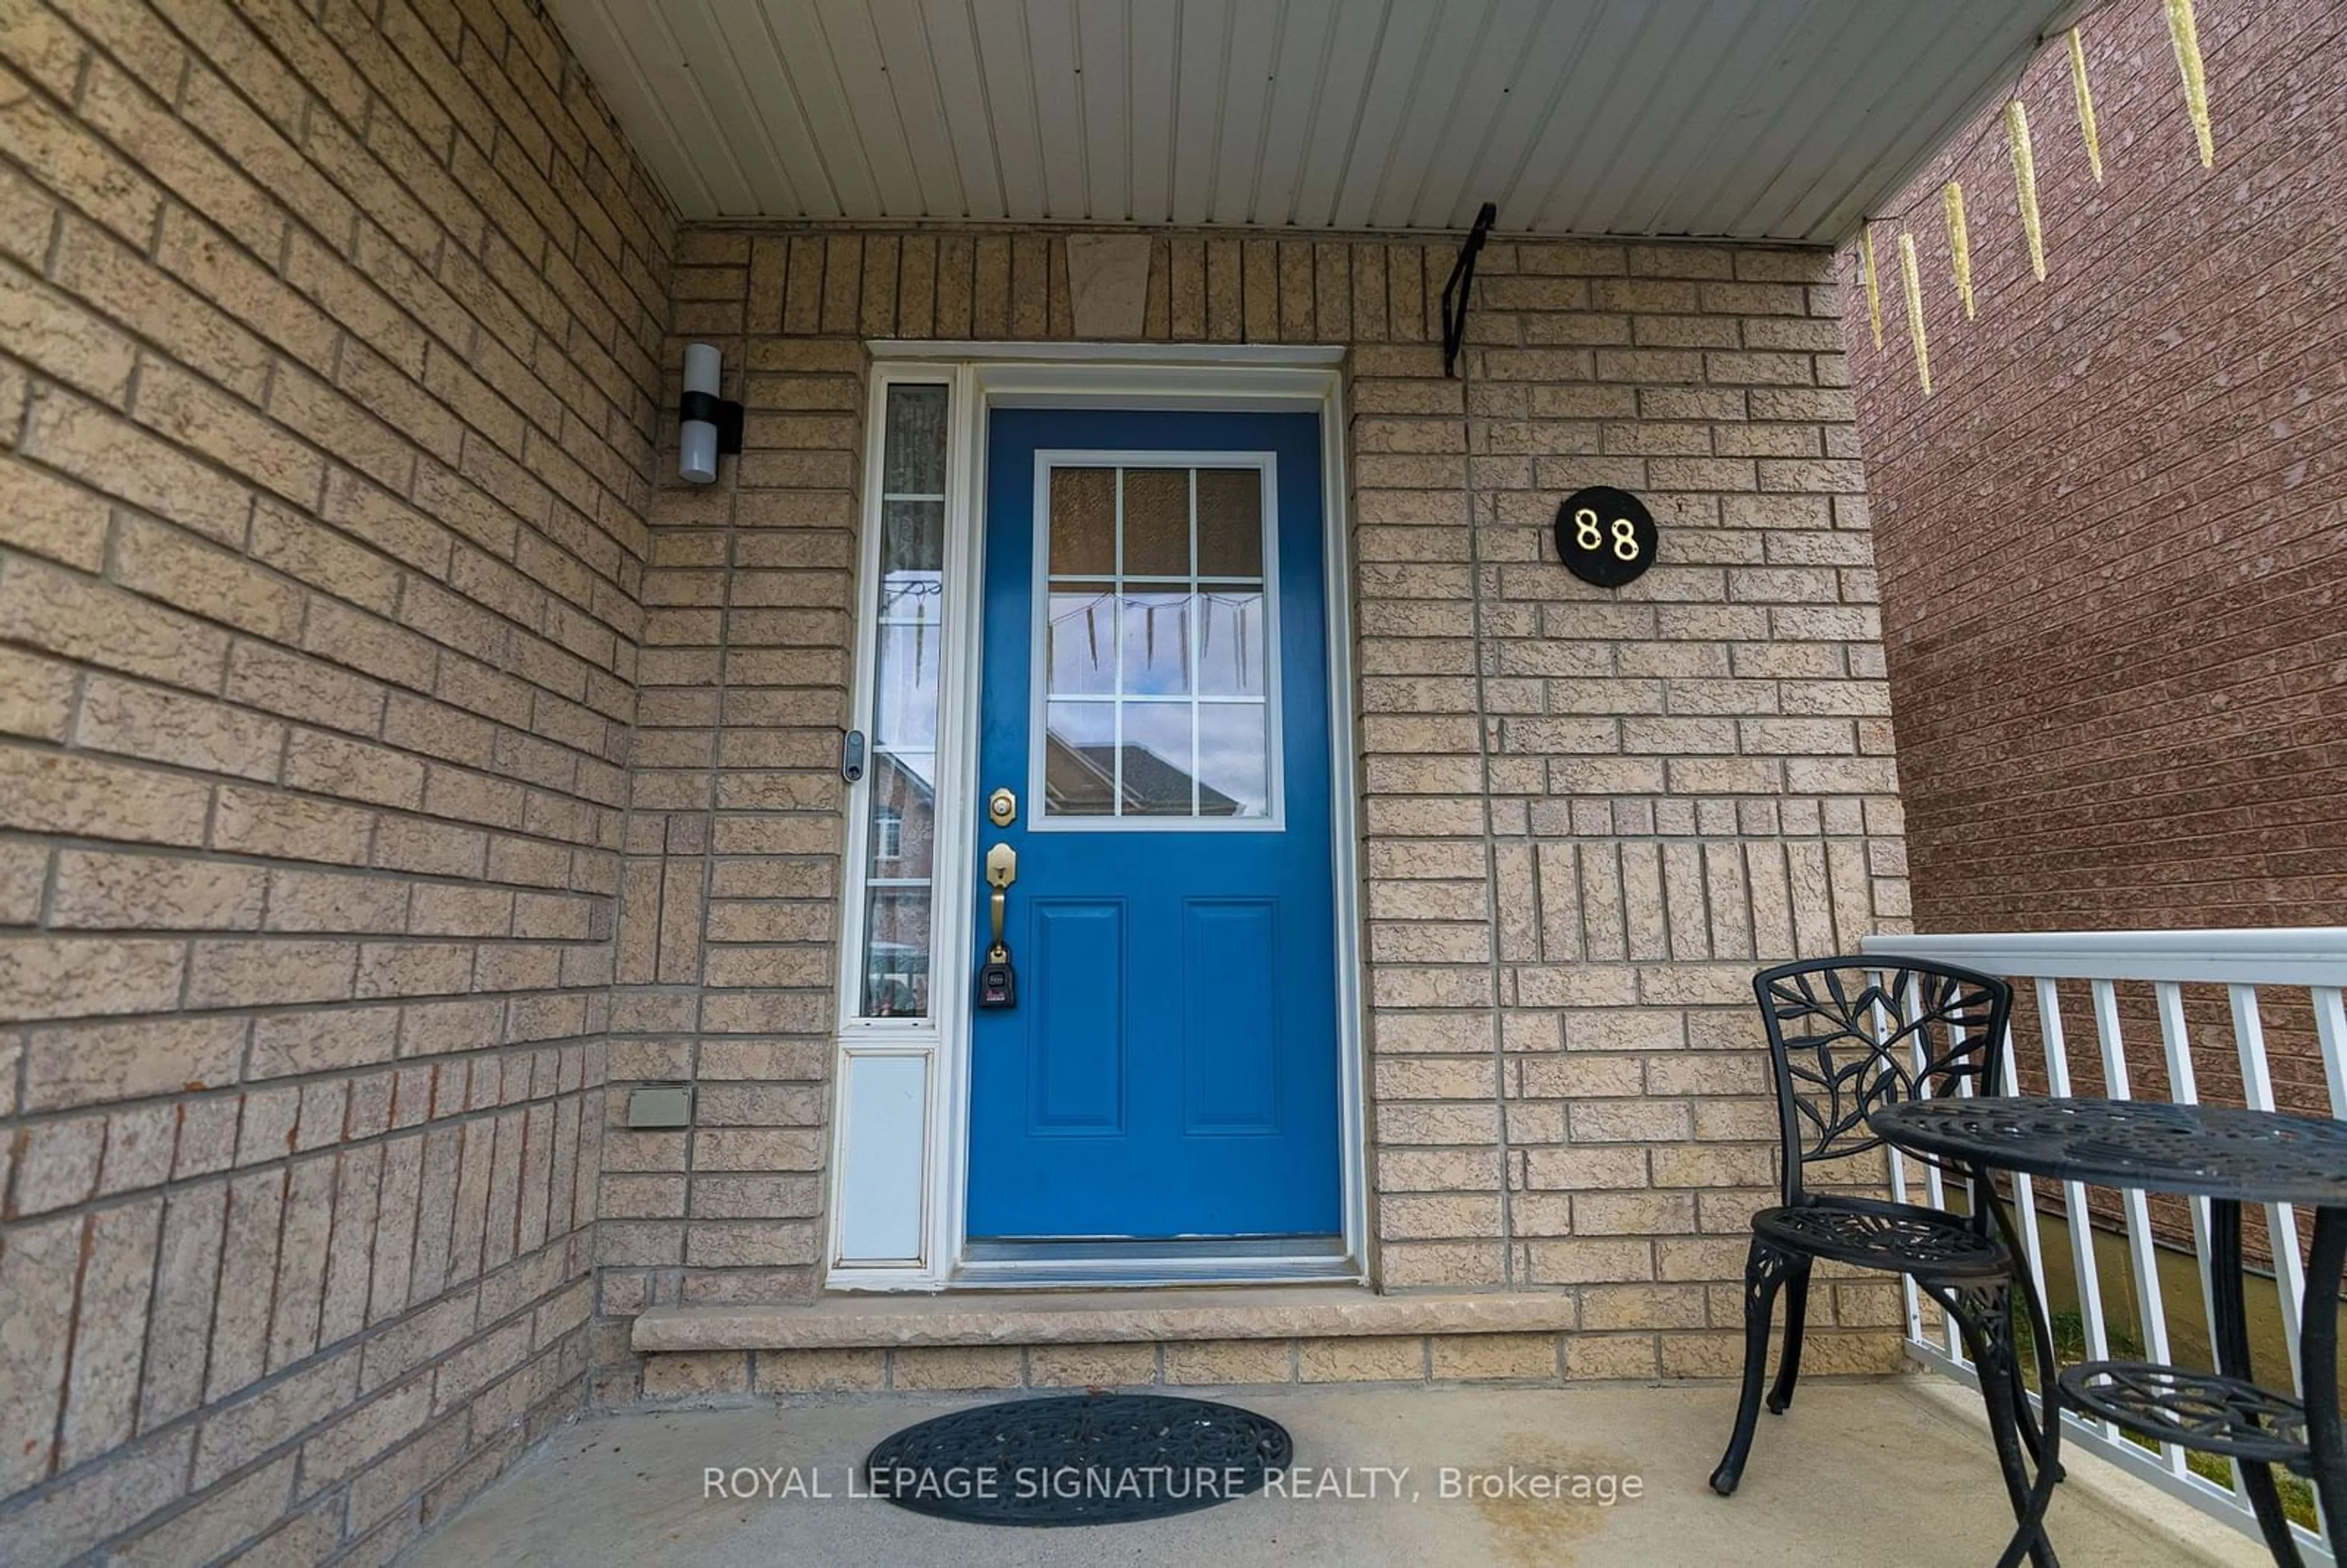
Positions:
(2024, 180)
(1914, 287)
(2086, 106)
(1960, 245)
(2186, 33)
(1873, 289)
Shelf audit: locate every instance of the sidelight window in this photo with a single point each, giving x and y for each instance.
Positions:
(899, 870)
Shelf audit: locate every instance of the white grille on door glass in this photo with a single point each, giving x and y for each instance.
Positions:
(1156, 645)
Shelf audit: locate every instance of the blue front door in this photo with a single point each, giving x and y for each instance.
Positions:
(1155, 695)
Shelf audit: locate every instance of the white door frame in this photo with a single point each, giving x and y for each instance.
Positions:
(884, 1232)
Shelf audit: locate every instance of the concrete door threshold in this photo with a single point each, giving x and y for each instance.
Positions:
(859, 1321)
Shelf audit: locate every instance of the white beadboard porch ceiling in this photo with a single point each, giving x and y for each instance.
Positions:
(1755, 119)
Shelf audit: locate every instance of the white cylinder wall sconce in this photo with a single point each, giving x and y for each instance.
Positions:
(707, 424)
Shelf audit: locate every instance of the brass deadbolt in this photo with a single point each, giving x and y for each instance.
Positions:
(1002, 808)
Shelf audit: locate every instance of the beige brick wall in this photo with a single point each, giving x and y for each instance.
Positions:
(328, 352)
(1587, 817)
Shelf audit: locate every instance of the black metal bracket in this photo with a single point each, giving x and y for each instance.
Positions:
(723, 413)
(1463, 280)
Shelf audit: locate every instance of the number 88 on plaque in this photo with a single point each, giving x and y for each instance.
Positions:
(1606, 537)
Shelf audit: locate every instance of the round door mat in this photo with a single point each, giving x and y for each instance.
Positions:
(1078, 1459)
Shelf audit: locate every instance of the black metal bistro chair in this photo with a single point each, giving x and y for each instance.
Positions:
(1848, 1036)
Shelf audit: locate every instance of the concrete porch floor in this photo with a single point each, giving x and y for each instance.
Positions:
(1871, 1474)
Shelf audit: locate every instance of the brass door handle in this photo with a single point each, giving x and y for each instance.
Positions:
(1001, 871)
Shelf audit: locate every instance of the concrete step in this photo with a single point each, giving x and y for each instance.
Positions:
(857, 1320)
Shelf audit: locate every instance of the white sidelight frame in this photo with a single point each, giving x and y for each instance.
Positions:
(898, 1174)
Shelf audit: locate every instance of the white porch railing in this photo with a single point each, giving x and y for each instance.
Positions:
(2304, 970)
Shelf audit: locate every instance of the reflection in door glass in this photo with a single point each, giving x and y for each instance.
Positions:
(1230, 760)
(1079, 759)
(1230, 642)
(1080, 640)
(908, 612)
(1161, 772)
(1156, 644)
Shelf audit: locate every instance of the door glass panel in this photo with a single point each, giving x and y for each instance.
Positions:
(1230, 522)
(1084, 522)
(1079, 759)
(1159, 774)
(1231, 752)
(1157, 644)
(1156, 522)
(1170, 656)
(908, 611)
(1230, 642)
(1080, 639)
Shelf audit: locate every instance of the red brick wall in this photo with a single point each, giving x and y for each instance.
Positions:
(2111, 540)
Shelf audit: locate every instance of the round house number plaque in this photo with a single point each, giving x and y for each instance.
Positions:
(1607, 536)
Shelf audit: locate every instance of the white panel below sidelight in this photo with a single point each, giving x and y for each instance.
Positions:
(882, 1163)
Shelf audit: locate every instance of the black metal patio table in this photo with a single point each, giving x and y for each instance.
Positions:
(2231, 1157)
